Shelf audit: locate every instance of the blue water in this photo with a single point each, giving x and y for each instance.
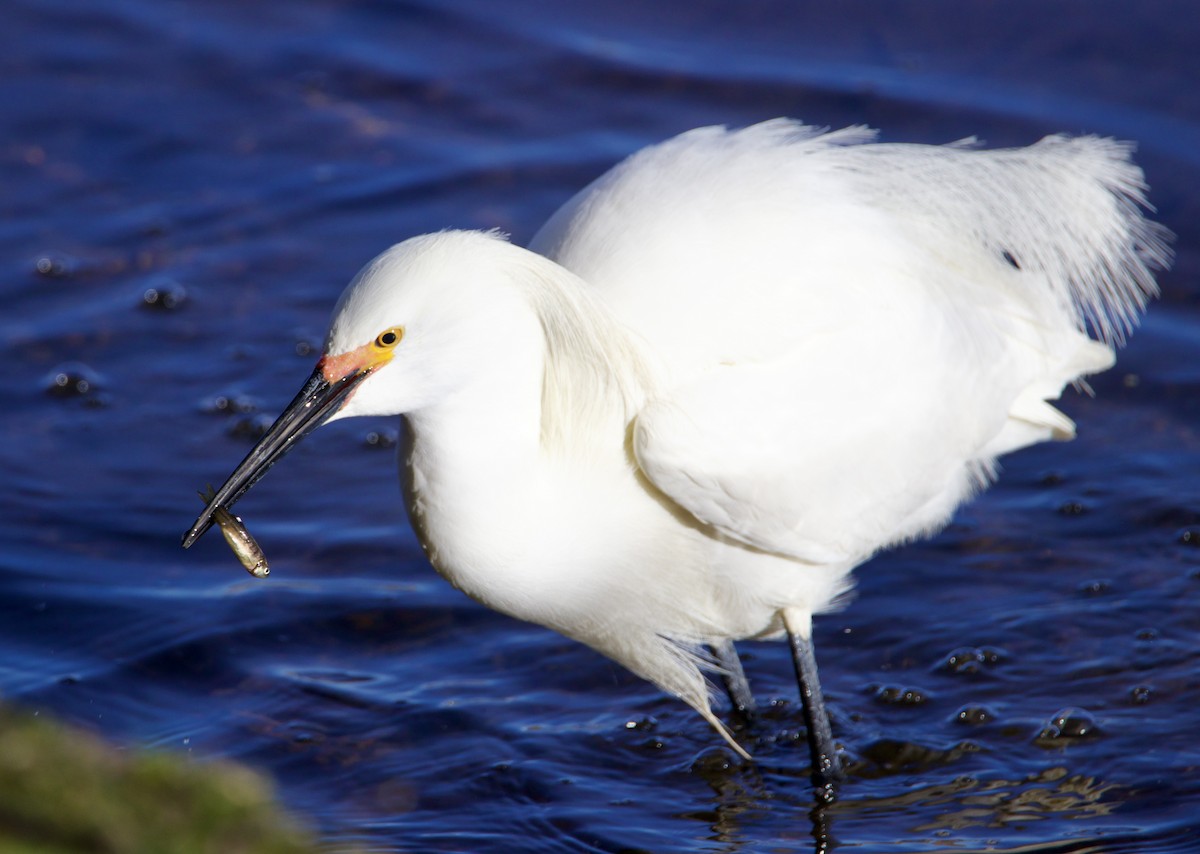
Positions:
(241, 161)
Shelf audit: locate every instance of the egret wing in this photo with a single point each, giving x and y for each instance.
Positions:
(722, 245)
(846, 334)
(830, 452)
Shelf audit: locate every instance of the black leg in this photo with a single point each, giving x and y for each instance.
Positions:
(826, 766)
(733, 677)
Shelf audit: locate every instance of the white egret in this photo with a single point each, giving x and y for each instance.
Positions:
(726, 373)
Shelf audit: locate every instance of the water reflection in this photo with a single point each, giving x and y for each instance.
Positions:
(963, 804)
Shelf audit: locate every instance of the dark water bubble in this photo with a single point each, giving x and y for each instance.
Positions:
(713, 763)
(381, 439)
(513, 782)
(252, 427)
(164, 295)
(646, 724)
(1072, 508)
(72, 379)
(1068, 723)
(991, 654)
(55, 265)
(890, 756)
(1050, 478)
(1095, 587)
(1189, 536)
(974, 715)
(971, 659)
(652, 745)
(224, 404)
(775, 709)
(1140, 695)
(896, 695)
(785, 737)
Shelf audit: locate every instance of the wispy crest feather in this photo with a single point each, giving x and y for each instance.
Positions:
(594, 378)
(1069, 210)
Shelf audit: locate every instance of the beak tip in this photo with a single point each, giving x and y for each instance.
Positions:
(316, 402)
(197, 530)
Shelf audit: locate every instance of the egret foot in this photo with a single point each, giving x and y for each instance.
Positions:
(733, 677)
(826, 765)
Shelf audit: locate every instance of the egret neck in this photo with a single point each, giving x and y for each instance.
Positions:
(492, 471)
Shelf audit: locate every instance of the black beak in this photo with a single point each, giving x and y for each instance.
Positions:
(313, 406)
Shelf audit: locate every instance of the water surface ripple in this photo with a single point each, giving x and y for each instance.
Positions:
(187, 187)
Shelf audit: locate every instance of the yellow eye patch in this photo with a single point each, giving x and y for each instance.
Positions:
(389, 338)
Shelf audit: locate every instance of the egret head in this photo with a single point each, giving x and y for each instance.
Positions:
(417, 324)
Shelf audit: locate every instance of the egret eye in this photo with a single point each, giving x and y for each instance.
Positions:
(389, 338)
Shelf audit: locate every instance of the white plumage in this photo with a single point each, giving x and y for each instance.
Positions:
(736, 366)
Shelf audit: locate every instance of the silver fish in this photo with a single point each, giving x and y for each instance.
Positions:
(234, 530)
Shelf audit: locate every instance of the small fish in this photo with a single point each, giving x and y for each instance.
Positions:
(232, 528)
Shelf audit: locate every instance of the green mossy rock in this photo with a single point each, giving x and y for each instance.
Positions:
(64, 790)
